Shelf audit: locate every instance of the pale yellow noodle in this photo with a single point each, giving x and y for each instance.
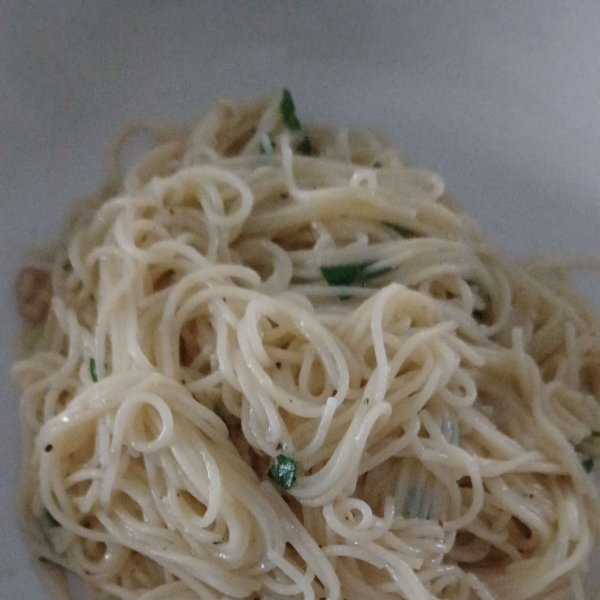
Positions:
(437, 404)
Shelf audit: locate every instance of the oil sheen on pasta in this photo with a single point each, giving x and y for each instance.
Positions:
(275, 361)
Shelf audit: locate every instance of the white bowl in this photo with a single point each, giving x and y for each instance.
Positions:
(501, 100)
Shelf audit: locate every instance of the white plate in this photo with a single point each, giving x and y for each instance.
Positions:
(502, 100)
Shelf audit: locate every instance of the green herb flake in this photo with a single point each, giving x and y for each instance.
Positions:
(93, 372)
(283, 471)
(367, 401)
(52, 522)
(44, 560)
(377, 165)
(288, 111)
(336, 275)
(217, 411)
(588, 464)
(305, 146)
(402, 231)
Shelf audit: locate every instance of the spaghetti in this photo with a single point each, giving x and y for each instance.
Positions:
(274, 361)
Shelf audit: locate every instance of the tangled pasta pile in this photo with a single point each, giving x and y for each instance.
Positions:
(274, 361)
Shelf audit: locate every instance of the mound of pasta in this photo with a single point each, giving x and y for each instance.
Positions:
(274, 361)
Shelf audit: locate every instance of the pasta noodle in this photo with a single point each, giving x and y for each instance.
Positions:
(274, 361)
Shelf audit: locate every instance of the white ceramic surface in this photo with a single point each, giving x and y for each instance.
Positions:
(502, 99)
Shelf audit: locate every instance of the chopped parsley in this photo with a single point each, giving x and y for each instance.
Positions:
(588, 464)
(352, 273)
(305, 146)
(283, 471)
(217, 411)
(93, 372)
(377, 165)
(402, 231)
(288, 111)
(44, 560)
(343, 274)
